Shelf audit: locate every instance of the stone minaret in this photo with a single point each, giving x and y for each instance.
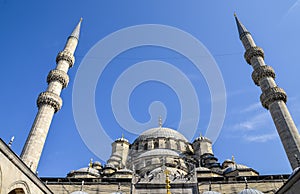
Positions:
(49, 102)
(273, 98)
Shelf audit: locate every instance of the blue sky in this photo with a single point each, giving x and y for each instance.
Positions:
(33, 32)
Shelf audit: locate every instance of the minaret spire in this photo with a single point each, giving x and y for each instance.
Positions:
(76, 31)
(273, 98)
(49, 102)
(241, 28)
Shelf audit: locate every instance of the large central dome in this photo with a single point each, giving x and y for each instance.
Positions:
(161, 132)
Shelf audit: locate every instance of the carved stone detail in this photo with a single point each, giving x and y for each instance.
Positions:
(58, 75)
(261, 72)
(271, 95)
(67, 56)
(253, 51)
(51, 99)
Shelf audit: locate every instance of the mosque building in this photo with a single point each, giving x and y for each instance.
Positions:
(160, 160)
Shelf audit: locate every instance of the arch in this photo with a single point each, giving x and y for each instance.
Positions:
(156, 144)
(18, 187)
(17, 191)
(146, 146)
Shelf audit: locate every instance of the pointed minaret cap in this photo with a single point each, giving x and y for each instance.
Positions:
(76, 30)
(241, 28)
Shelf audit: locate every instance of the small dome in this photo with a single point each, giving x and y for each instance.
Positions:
(97, 163)
(210, 192)
(201, 138)
(86, 169)
(161, 132)
(228, 161)
(229, 169)
(122, 139)
(250, 191)
(84, 172)
(241, 167)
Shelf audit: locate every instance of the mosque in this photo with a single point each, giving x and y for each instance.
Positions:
(160, 160)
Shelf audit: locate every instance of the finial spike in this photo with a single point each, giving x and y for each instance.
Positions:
(11, 141)
(241, 28)
(160, 121)
(82, 183)
(91, 163)
(246, 182)
(76, 30)
(232, 158)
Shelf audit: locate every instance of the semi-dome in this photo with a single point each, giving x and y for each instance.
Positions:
(79, 192)
(161, 132)
(250, 191)
(84, 172)
(210, 192)
(159, 152)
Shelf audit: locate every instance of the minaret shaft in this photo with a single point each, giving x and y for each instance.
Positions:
(49, 102)
(32, 150)
(272, 98)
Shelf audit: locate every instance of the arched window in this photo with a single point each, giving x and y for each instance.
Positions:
(17, 191)
(156, 144)
(146, 146)
(18, 187)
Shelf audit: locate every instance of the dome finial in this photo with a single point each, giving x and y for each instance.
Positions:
(232, 158)
(82, 183)
(246, 182)
(168, 186)
(91, 163)
(11, 141)
(160, 121)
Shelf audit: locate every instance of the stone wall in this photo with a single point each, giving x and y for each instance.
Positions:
(15, 175)
(90, 188)
(234, 187)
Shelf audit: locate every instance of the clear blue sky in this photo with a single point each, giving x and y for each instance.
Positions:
(33, 32)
